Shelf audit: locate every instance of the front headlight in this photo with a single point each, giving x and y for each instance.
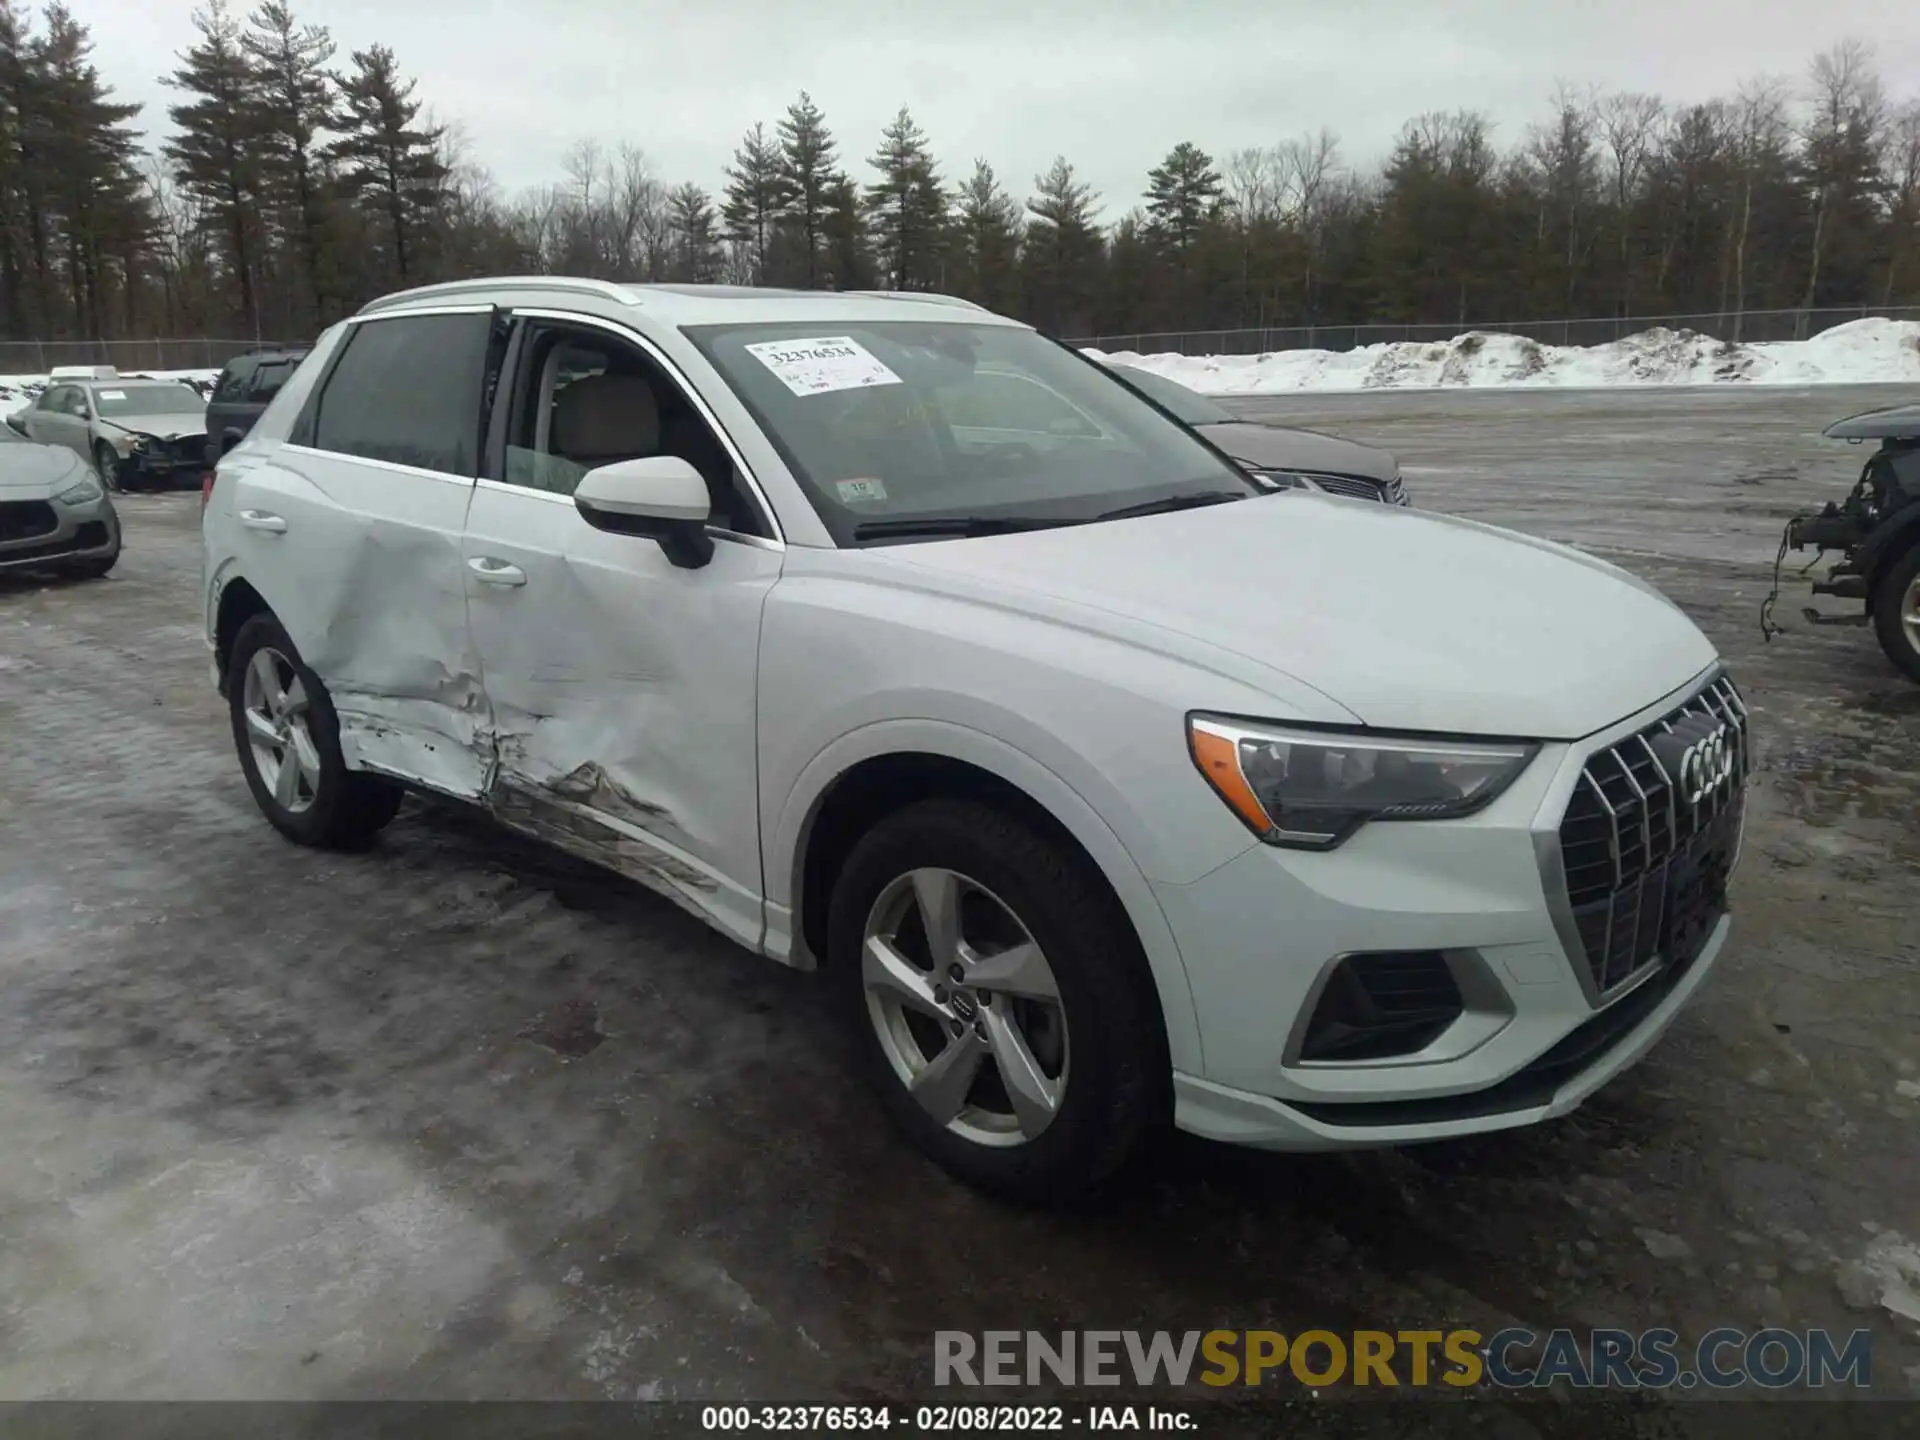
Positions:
(1311, 789)
(83, 491)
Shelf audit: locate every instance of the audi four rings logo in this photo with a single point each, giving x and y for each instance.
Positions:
(1706, 765)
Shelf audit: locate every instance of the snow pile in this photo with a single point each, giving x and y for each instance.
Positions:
(19, 390)
(1861, 352)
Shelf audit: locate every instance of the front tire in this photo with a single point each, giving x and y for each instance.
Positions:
(1000, 1001)
(288, 737)
(1896, 613)
(108, 464)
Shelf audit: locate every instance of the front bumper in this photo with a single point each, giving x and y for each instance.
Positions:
(1534, 1035)
(45, 532)
(1548, 1088)
(163, 465)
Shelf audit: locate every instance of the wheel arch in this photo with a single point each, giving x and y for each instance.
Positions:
(239, 602)
(883, 767)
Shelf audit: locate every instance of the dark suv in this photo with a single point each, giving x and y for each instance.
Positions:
(245, 387)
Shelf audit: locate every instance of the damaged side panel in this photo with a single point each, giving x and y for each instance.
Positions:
(372, 594)
(620, 695)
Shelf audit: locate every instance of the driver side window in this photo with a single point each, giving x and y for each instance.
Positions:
(583, 398)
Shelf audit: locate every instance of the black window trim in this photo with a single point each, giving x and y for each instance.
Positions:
(300, 434)
(755, 493)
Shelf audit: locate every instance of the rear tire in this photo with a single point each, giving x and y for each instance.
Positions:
(1896, 613)
(288, 738)
(1099, 1085)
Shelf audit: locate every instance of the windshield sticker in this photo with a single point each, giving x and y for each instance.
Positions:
(819, 366)
(852, 492)
(113, 394)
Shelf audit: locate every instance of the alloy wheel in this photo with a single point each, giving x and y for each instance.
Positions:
(1910, 613)
(966, 1007)
(279, 733)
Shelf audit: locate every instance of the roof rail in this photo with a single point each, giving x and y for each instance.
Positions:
(451, 289)
(929, 296)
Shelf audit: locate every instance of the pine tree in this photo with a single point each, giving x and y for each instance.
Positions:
(809, 177)
(389, 162)
(1182, 191)
(16, 179)
(987, 242)
(908, 206)
(696, 236)
(756, 197)
(845, 262)
(92, 168)
(216, 151)
(1062, 250)
(296, 103)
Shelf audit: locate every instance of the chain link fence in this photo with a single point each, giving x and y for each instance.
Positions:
(37, 357)
(1753, 325)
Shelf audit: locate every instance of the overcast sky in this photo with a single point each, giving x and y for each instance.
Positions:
(1111, 84)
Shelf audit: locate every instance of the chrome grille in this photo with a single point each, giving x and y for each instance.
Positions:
(1640, 861)
(1349, 485)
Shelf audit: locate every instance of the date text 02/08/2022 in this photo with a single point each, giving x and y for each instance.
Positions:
(944, 1419)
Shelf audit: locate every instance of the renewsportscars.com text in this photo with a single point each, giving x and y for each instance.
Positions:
(1722, 1359)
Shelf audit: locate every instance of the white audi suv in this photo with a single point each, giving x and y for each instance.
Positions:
(1104, 799)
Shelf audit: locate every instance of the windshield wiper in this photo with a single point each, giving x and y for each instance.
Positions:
(962, 525)
(1173, 502)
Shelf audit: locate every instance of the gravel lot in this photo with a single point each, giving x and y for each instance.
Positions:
(462, 1119)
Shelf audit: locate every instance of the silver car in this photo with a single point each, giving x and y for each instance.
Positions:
(138, 434)
(54, 512)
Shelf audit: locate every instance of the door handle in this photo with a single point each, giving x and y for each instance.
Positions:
(489, 571)
(261, 520)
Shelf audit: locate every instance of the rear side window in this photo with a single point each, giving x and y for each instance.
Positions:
(268, 378)
(233, 380)
(407, 391)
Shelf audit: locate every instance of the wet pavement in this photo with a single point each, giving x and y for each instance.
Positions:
(461, 1118)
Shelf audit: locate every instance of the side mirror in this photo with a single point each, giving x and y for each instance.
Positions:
(660, 497)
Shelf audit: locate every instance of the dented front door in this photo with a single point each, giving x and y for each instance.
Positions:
(621, 691)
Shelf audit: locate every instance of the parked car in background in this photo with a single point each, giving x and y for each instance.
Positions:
(246, 386)
(893, 639)
(1874, 532)
(137, 433)
(54, 512)
(1282, 457)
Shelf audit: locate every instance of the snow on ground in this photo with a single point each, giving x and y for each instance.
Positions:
(1859, 352)
(19, 390)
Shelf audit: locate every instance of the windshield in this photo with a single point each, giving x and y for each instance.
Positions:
(1189, 407)
(148, 399)
(891, 423)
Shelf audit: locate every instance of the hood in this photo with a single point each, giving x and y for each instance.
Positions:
(161, 427)
(36, 472)
(1410, 620)
(1897, 422)
(1272, 447)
